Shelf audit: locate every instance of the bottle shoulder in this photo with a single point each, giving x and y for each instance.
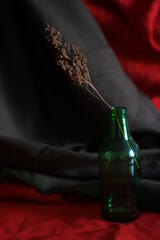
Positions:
(121, 145)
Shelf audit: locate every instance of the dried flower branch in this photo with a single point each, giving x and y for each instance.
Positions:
(74, 64)
(71, 61)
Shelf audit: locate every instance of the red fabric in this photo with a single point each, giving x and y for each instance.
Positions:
(132, 29)
(28, 214)
(22, 192)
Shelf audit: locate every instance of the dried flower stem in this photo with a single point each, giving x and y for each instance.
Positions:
(74, 64)
(71, 61)
(92, 86)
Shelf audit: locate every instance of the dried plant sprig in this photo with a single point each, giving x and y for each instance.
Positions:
(74, 64)
(71, 61)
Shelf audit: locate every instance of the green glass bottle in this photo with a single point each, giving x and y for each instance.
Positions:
(119, 166)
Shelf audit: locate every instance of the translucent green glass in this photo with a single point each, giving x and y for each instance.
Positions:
(119, 167)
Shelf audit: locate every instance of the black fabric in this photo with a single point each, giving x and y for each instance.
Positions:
(50, 129)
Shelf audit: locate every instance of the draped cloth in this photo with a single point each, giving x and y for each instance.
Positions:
(50, 129)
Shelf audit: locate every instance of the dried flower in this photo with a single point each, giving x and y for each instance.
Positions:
(74, 65)
(71, 61)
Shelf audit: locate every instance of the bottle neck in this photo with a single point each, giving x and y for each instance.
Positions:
(118, 124)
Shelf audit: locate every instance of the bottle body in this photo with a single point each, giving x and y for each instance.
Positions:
(119, 167)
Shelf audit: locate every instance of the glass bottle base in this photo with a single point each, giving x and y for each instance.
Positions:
(123, 216)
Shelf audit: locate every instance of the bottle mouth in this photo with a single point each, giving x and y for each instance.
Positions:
(118, 111)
